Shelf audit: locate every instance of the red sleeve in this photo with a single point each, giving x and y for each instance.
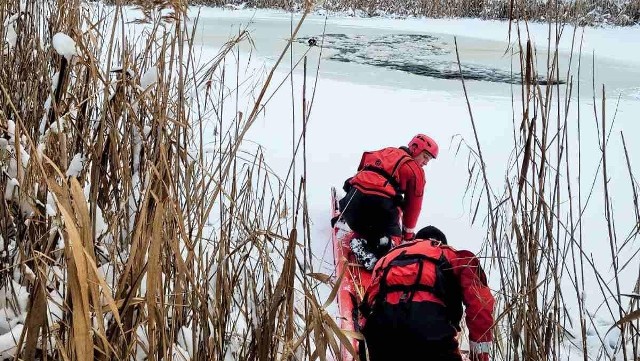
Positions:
(412, 181)
(476, 295)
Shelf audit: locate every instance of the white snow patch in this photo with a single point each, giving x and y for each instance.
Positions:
(11, 37)
(9, 341)
(101, 225)
(12, 183)
(64, 45)
(21, 294)
(185, 339)
(57, 126)
(179, 354)
(54, 80)
(142, 348)
(235, 343)
(149, 78)
(52, 207)
(11, 19)
(77, 163)
(28, 273)
(54, 305)
(11, 128)
(7, 314)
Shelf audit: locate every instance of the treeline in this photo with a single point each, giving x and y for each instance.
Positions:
(584, 12)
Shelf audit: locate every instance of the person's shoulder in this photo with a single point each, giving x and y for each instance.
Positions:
(415, 168)
(447, 251)
(460, 254)
(393, 149)
(411, 162)
(380, 150)
(448, 247)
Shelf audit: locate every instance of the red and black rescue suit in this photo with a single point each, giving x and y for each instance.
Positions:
(413, 307)
(388, 181)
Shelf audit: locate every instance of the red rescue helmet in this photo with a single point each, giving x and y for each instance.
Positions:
(421, 143)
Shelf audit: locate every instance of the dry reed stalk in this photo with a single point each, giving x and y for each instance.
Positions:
(584, 12)
(536, 227)
(142, 272)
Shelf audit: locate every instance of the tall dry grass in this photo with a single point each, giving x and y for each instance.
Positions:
(125, 238)
(539, 243)
(587, 12)
(124, 235)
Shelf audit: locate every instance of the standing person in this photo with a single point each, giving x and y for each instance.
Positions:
(413, 307)
(388, 185)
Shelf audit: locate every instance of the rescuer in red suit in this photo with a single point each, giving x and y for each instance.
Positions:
(413, 307)
(384, 198)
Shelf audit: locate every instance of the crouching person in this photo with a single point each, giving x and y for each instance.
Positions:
(384, 197)
(413, 307)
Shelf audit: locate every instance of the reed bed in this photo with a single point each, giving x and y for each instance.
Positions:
(541, 229)
(585, 12)
(126, 236)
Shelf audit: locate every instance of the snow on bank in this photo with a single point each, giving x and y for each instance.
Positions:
(367, 128)
(353, 117)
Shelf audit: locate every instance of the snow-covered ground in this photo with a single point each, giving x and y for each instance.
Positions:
(359, 105)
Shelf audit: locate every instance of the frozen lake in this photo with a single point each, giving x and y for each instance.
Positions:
(392, 53)
(363, 101)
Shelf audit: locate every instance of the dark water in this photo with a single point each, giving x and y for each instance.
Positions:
(397, 56)
(419, 54)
